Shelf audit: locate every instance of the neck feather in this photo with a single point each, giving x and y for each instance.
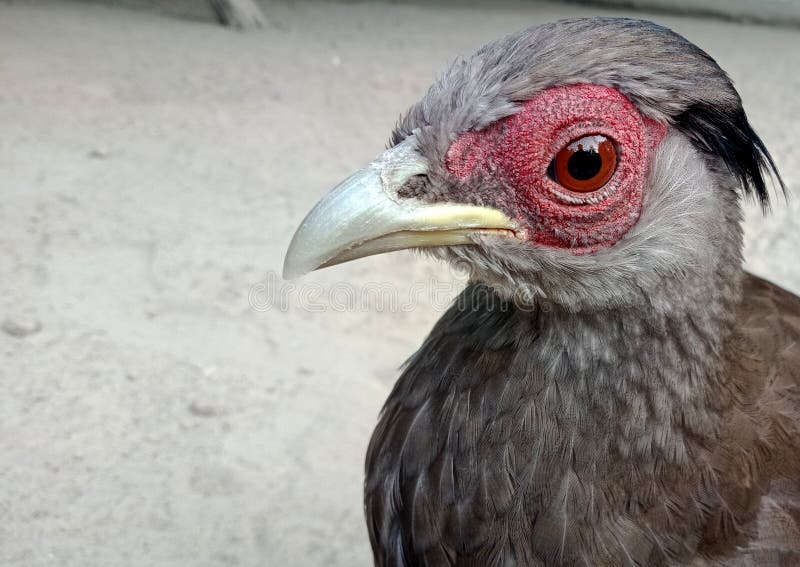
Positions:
(641, 383)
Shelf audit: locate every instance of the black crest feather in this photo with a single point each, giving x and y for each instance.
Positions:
(727, 134)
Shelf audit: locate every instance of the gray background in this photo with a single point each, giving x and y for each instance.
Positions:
(152, 170)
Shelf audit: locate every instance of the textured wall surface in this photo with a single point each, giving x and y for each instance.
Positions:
(781, 12)
(166, 401)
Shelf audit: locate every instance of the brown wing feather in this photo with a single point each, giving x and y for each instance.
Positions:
(769, 319)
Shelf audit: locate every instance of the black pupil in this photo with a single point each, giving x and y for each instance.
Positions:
(584, 164)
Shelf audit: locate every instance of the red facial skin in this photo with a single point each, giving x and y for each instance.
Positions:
(518, 149)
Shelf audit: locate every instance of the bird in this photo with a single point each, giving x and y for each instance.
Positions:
(611, 388)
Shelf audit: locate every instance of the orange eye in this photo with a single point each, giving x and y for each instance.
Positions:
(585, 164)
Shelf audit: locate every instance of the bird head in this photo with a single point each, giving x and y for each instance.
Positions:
(582, 162)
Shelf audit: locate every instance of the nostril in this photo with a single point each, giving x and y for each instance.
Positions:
(415, 187)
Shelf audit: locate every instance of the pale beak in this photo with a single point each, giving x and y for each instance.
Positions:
(364, 215)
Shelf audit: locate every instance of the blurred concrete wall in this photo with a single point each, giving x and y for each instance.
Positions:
(783, 12)
(197, 10)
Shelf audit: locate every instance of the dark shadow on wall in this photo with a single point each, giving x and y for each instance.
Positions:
(240, 14)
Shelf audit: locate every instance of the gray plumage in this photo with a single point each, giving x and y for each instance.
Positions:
(634, 406)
